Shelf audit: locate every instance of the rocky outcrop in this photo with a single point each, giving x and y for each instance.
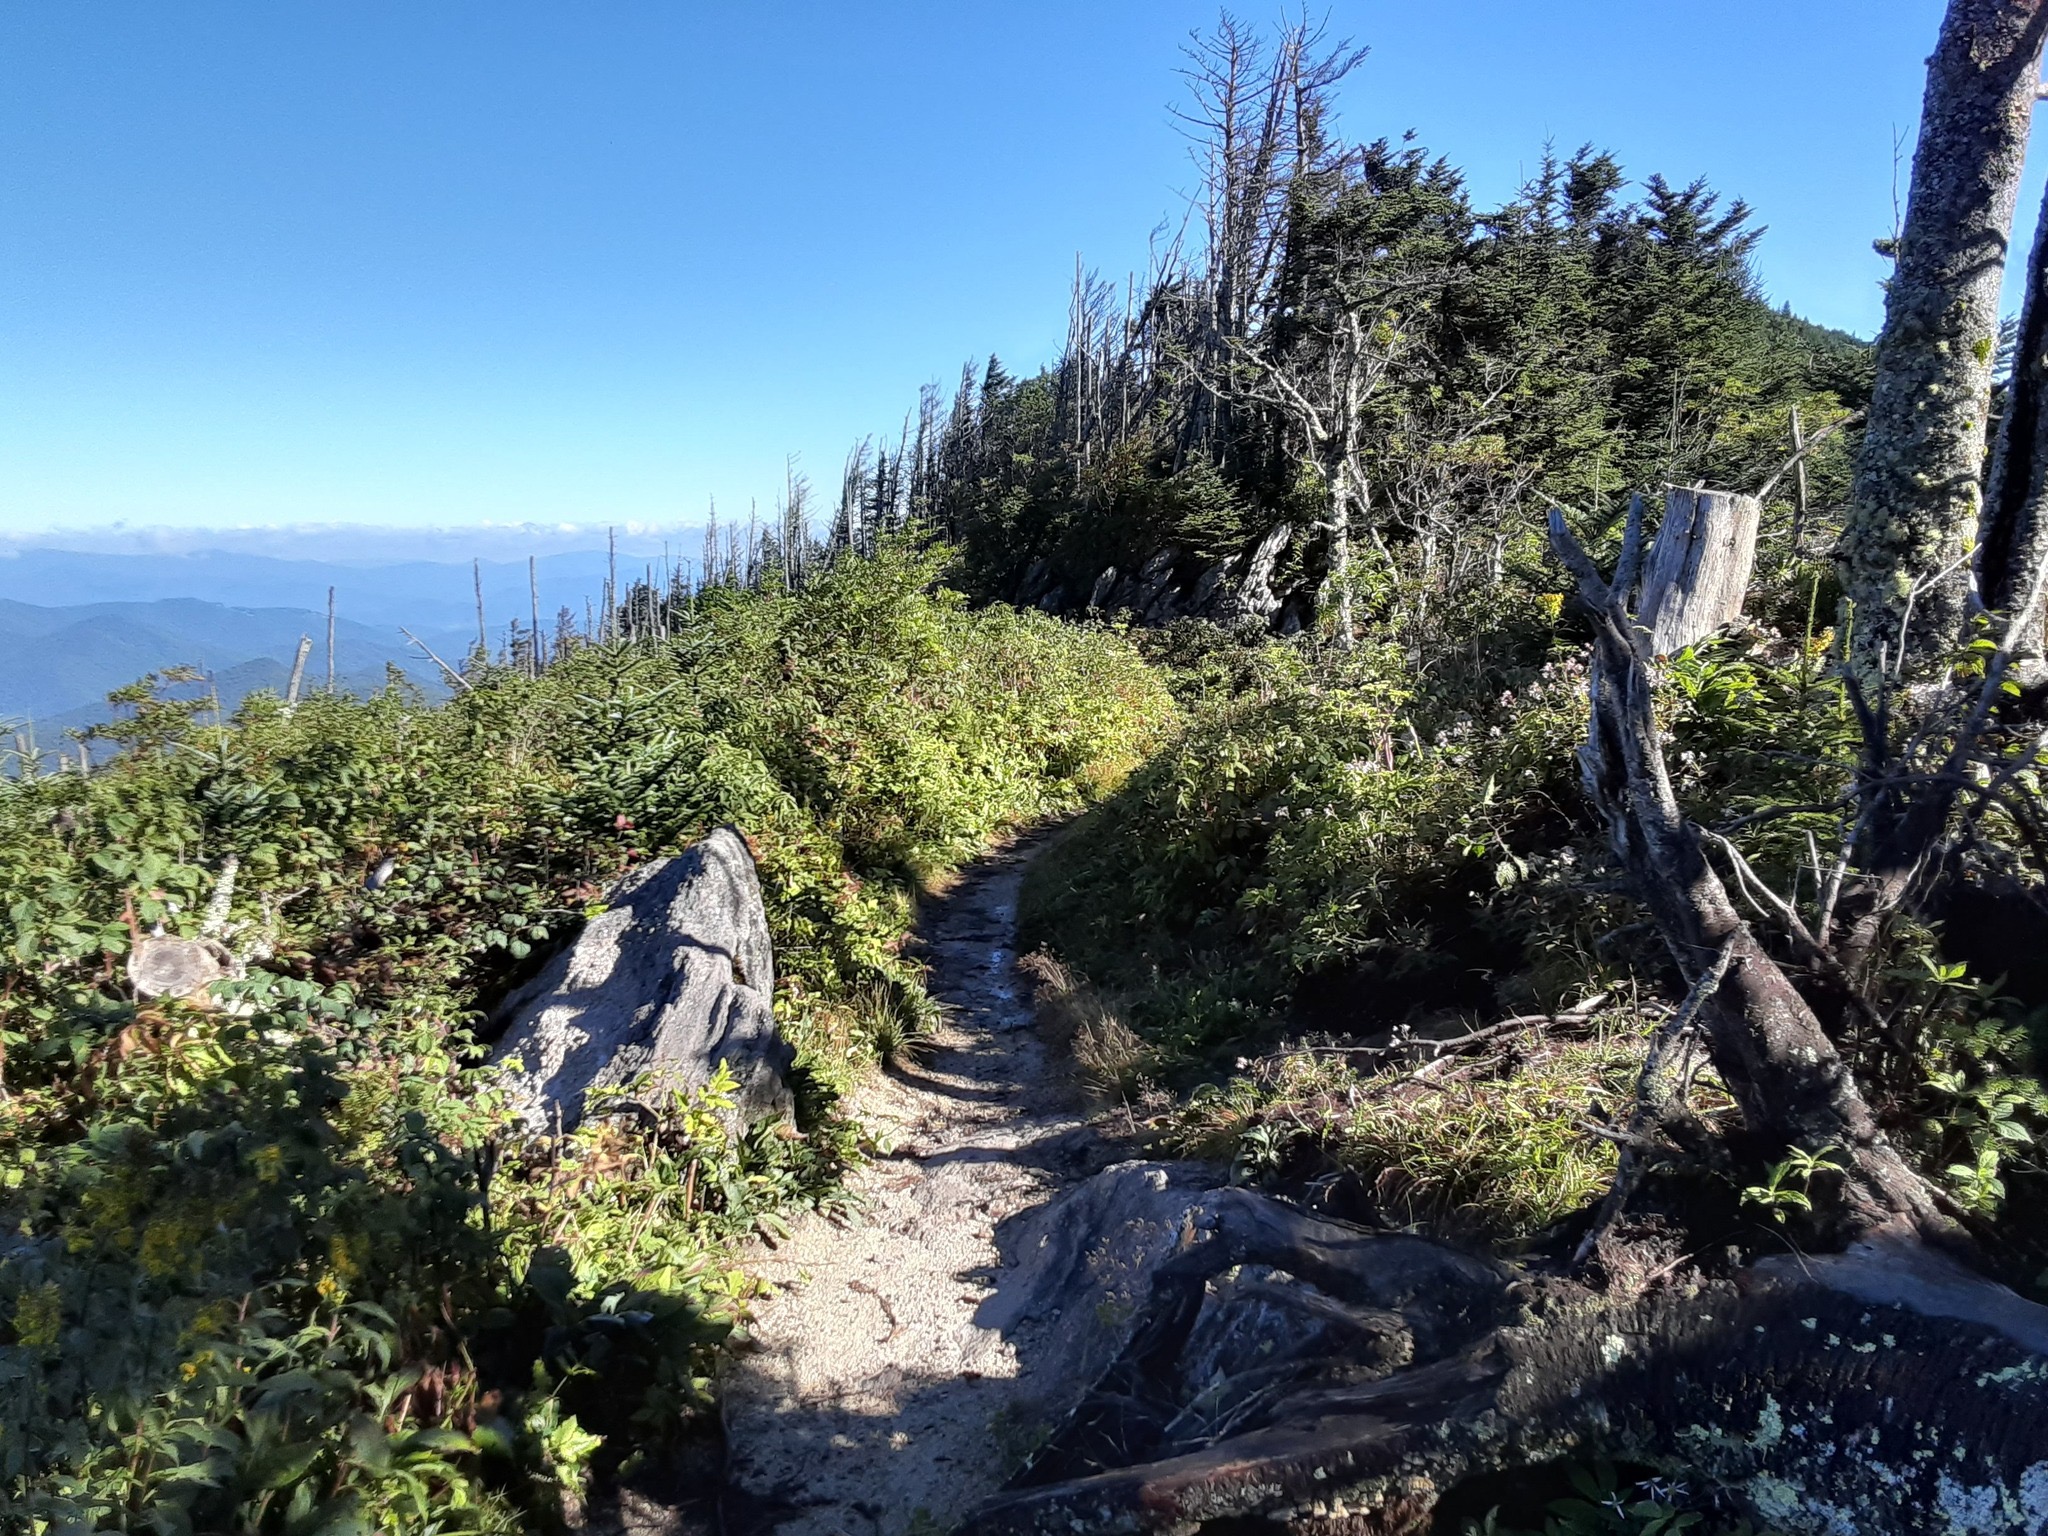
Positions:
(1171, 584)
(672, 978)
(1154, 598)
(1079, 1268)
(1274, 1369)
(1175, 1310)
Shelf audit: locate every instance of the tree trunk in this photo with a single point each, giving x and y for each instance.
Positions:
(1915, 505)
(1350, 491)
(2013, 539)
(1697, 574)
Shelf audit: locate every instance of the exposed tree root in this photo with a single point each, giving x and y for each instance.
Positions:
(1883, 1391)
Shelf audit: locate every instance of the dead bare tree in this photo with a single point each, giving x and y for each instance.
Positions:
(291, 692)
(1258, 118)
(1322, 388)
(851, 531)
(1447, 493)
(1793, 1086)
(538, 657)
(921, 491)
(796, 524)
(1699, 568)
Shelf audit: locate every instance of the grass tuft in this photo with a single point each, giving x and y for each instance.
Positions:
(1489, 1147)
(1113, 1061)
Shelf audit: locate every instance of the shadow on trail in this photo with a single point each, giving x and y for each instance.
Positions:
(898, 1378)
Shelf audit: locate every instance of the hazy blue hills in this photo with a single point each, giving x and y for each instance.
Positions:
(420, 594)
(58, 663)
(76, 624)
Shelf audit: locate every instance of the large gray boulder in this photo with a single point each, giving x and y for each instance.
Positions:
(1158, 1309)
(673, 978)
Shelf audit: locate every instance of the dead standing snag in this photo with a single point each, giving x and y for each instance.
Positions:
(1793, 1086)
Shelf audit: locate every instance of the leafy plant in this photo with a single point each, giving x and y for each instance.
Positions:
(1788, 1184)
(1603, 1503)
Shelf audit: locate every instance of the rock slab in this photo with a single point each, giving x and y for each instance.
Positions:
(675, 976)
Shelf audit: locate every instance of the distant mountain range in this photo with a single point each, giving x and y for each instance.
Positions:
(61, 662)
(418, 593)
(76, 625)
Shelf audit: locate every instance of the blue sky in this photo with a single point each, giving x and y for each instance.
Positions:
(425, 264)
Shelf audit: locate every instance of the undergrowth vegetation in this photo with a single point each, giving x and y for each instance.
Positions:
(1262, 941)
(273, 1259)
(1340, 914)
(1485, 1149)
(1322, 843)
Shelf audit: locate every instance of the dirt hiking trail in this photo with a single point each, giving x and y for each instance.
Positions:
(878, 1398)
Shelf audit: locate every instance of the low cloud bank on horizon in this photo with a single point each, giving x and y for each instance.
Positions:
(367, 543)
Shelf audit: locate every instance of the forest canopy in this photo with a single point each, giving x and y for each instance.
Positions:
(1355, 351)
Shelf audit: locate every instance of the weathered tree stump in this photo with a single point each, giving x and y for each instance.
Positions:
(180, 968)
(1697, 573)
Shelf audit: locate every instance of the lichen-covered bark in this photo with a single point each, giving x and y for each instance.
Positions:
(1915, 503)
(2012, 544)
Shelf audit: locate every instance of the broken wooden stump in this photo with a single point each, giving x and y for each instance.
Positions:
(1697, 572)
(162, 966)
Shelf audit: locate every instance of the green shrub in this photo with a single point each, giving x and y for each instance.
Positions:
(1300, 842)
(278, 1262)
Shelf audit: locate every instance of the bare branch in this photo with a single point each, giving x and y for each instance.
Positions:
(1593, 592)
(1653, 1101)
(1763, 492)
(447, 671)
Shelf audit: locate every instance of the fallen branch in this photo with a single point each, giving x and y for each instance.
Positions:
(1578, 1013)
(1654, 1094)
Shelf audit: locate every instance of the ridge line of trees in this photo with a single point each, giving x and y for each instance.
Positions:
(1352, 355)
